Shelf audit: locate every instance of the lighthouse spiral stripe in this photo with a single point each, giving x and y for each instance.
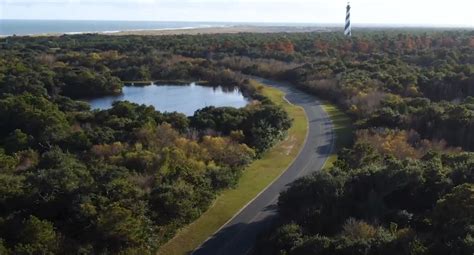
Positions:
(347, 28)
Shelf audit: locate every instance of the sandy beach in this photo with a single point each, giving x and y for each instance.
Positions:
(206, 30)
(227, 30)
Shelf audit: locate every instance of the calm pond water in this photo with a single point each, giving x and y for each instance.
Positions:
(169, 98)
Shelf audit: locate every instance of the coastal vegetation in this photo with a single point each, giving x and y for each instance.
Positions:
(258, 175)
(124, 180)
(116, 181)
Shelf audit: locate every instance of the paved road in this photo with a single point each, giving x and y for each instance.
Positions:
(238, 235)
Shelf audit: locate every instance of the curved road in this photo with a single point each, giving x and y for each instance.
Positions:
(238, 235)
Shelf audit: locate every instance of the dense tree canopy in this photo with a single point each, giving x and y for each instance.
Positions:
(116, 181)
(384, 206)
(123, 180)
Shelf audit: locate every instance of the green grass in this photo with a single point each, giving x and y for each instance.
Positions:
(254, 179)
(342, 128)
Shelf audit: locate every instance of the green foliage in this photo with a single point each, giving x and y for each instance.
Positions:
(16, 141)
(262, 125)
(180, 199)
(123, 180)
(85, 83)
(121, 228)
(453, 220)
(7, 162)
(38, 237)
(31, 115)
(384, 206)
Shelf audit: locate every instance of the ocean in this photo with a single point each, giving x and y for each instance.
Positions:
(10, 27)
(35, 27)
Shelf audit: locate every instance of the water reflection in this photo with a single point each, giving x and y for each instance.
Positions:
(181, 98)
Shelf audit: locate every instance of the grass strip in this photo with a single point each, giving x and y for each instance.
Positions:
(254, 179)
(342, 128)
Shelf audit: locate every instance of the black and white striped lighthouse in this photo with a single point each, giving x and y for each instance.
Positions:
(347, 28)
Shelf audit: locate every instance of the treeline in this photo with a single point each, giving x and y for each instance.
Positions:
(403, 187)
(117, 181)
(121, 180)
(399, 77)
(375, 204)
(86, 70)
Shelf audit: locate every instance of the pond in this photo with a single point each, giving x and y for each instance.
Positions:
(180, 98)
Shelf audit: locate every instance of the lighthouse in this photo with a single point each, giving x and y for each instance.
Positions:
(347, 28)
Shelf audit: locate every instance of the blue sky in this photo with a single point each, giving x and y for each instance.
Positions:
(419, 12)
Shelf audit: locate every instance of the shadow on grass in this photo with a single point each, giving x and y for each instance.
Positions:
(342, 127)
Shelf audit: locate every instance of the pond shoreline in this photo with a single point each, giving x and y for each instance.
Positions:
(165, 82)
(166, 96)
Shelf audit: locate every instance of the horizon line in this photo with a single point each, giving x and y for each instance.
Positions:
(266, 22)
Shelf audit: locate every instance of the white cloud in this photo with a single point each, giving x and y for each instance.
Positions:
(453, 12)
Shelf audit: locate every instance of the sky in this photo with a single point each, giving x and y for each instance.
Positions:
(404, 12)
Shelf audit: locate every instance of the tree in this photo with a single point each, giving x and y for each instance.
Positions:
(59, 176)
(33, 115)
(122, 229)
(17, 140)
(453, 220)
(179, 201)
(38, 237)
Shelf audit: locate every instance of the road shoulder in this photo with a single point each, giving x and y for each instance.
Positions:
(255, 178)
(342, 127)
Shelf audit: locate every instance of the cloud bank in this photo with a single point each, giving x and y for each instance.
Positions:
(454, 12)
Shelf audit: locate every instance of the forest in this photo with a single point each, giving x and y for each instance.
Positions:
(123, 180)
(118, 181)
